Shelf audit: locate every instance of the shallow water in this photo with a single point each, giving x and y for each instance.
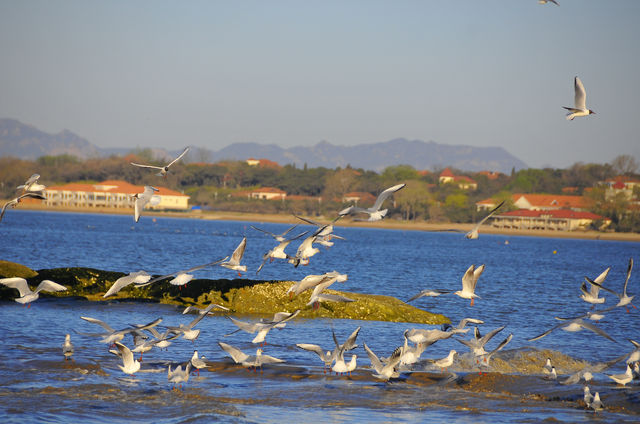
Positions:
(526, 283)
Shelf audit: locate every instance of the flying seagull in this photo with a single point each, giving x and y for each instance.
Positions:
(469, 282)
(547, 1)
(141, 200)
(181, 277)
(374, 212)
(26, 295)
(473, 234)
(163, 169)
(31, 185)
(625, 299)
(580, 107)
(14, 202)
(236, 257)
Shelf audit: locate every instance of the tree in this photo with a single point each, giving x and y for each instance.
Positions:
(341, 182)
(625, 165)
(413, 199)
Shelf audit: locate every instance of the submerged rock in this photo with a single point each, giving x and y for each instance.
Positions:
(241, 296)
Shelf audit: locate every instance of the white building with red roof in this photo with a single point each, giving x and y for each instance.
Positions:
(268, 193)
(111, 194)
(540, 202)
(462, 181)
(556, 219)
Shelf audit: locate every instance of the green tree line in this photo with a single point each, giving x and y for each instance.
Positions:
(220, 186)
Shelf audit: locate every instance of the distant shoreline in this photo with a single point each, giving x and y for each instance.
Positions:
(386, 224)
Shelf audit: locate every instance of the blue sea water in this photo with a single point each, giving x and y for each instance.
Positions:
(527, 282)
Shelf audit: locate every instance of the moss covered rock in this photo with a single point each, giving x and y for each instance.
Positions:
(241, 296)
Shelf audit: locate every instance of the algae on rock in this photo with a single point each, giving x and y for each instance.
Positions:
(241, 296)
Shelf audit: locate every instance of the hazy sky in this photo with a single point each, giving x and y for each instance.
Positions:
(210, 73)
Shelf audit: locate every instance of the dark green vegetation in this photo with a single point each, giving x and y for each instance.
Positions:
(224, 186)
(241, 296)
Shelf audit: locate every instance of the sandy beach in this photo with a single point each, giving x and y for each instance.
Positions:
(387, 223)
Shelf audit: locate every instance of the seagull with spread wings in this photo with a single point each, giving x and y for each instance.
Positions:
(374, 212)
(580, 99)
(163, 169)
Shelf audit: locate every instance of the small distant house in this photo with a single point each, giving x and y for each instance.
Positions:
(492, 175)
(464, 182)
(359, 198)
(268, 193)
(265, 163)
(621, 184)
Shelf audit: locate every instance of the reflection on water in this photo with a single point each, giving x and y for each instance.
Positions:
(524, 286)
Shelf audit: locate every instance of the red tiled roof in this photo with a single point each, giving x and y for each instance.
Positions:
(446, 173)
(556, 213)
(552, 200)
(463, 178)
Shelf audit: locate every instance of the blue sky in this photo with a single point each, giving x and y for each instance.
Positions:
(210, 73)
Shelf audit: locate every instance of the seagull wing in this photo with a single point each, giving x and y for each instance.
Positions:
(264, 231)
(146, 166)
(467, 279)
(50, 286)
(564, 324)
(624, 290)
(120, 283)
(375, 361)
(383, 196)
(580, 99)
(248, 327)
(311, 348)
(127, 355)
(350, 343)
(596, 330)
(236, 256)
(195, 268)
(100, 323)
(236, 354)
(493, 211)
(184, 152)
(17, 283)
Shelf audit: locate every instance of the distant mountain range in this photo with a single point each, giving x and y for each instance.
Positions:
(27, 142)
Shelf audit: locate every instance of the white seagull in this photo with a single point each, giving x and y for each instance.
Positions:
(14, 202)
(198, 362)
(580, 108)
(129, 364)
(278, 251)
(591, 295)
(180, 277)
(163, 169)
(263, 327)
(139, 277)
(187, 331)
(625, 299)
(623, 379)
(477, 344)
(574, 325)
(247, 361)
(179, 375)
(447, 361)
(374, 212)
(112, 336)
(548, 1)
(141, 199)
(473, 234)
(31, 185)
(26, 295)
(236, 257)
(67, 347)
(469, 282)
(596, 404)
(388, 370)
(278, 237)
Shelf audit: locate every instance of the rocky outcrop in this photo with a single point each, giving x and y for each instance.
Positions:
(241, 296)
